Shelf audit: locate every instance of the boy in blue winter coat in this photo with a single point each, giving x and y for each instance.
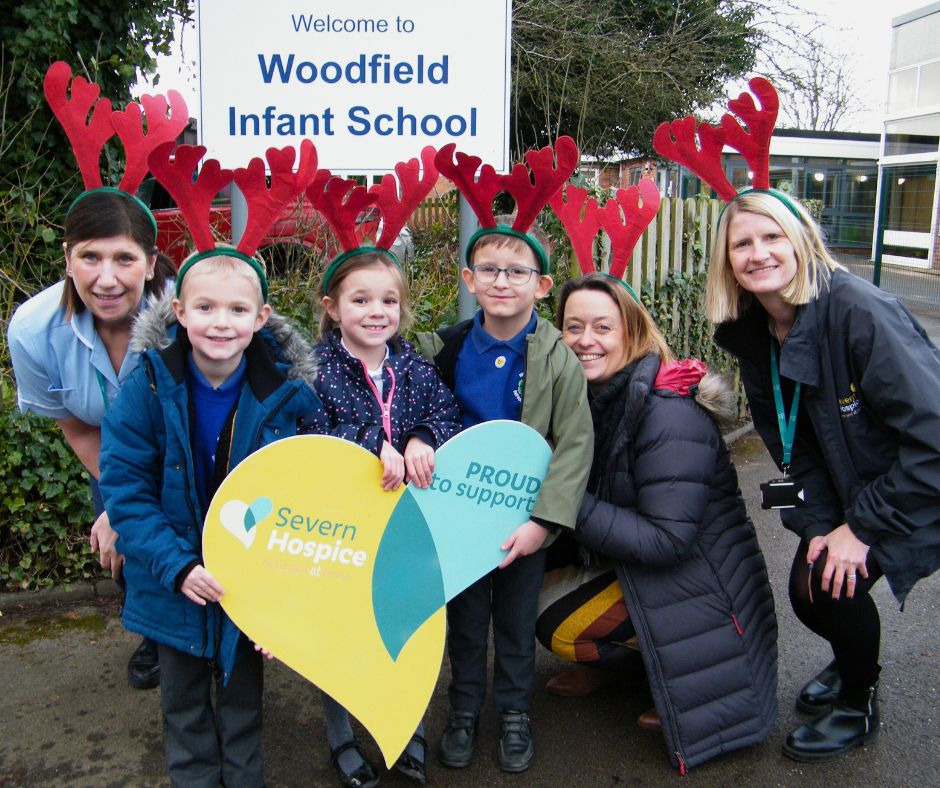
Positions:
(235, 378)
(508, 363)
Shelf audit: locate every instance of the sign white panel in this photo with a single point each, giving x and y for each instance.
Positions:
(370, 82)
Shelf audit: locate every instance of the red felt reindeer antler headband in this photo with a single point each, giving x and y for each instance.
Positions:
(174, 168)
(343, 201)
(624, 218)
(530, 186)
(747, 129)
(88, 134)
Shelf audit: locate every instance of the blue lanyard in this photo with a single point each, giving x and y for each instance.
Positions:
(104, 390)
(787, 428)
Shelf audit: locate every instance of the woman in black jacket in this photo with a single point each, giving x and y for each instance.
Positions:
(672, 556)
(852, 368)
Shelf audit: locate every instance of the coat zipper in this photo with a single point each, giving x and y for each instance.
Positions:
(646, 639)
(386, 406)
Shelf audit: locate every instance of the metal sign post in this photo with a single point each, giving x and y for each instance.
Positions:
(466, 303)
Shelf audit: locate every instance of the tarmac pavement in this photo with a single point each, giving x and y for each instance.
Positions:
(70, 719)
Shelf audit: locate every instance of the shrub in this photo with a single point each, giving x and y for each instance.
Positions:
(44, 491)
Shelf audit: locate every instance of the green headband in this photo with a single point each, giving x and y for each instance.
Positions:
(505, 229)
(224, 251)
(785, 199)
(342, 258)
(112, 190)
(630, 290)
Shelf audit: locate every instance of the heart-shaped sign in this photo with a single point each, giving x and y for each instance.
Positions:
(347, 583)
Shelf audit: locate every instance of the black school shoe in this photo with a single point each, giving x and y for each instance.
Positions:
(851, 722)
(821, 691)
(458, 739)
(363, 776)
(414, 768)
(515, 742)
(143, 669)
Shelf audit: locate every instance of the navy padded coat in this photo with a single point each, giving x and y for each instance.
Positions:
(663, 503)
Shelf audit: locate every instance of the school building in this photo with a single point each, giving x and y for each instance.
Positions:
(837, 169)
(908, 207)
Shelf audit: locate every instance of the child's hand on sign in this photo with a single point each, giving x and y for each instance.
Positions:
(419, 463)
(201, 587)
(525, 540)
(264, 652)
(394, 467)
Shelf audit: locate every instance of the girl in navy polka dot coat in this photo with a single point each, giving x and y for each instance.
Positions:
(376, 390)
(421, 405)
(379, 393)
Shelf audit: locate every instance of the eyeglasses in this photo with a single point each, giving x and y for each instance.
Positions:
(517, 275)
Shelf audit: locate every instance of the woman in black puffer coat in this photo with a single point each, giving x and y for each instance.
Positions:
(671, 555)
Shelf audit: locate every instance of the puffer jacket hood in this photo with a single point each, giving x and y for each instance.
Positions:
(155, 328)
(713, 392)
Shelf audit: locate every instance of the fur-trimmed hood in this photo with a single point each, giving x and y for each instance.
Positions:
(155, 327)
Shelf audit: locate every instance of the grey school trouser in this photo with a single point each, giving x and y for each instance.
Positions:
(206, 745)
(510, 596)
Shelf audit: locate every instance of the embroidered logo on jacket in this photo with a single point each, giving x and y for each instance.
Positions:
(849, 406)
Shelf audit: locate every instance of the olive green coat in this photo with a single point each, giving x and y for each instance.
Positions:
(554, 403)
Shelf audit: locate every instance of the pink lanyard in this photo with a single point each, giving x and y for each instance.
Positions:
(387, 405)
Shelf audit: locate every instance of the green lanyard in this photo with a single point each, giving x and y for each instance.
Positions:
(787, 428)
(104, 390)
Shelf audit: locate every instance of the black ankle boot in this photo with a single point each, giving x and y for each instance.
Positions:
(852, 721)
(821, 691)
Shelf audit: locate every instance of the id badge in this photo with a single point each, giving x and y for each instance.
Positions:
(782, 494)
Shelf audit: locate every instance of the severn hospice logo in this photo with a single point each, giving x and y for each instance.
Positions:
(323, 558)
(240, 518)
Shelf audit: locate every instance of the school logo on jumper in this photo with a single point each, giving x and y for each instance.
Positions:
(324, 558)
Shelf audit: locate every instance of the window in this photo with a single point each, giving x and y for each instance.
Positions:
(910, 198)
(913, 135)
(902, 90)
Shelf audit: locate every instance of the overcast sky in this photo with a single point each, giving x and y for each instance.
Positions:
(859, 29)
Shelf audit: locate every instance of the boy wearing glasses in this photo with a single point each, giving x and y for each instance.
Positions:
(509, 363)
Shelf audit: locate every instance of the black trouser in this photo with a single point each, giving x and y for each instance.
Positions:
(511, 595)
(206, 746)
(852, 626)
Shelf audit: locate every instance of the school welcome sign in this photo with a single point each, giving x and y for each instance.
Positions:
(370, 82)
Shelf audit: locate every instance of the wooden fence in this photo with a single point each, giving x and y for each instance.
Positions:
(678, 240)
(436, 209)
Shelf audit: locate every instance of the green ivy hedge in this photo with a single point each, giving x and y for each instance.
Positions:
(44, 493)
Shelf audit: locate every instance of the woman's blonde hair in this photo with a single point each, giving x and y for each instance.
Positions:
(358, 263)
(725, 299)
(641, 336)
